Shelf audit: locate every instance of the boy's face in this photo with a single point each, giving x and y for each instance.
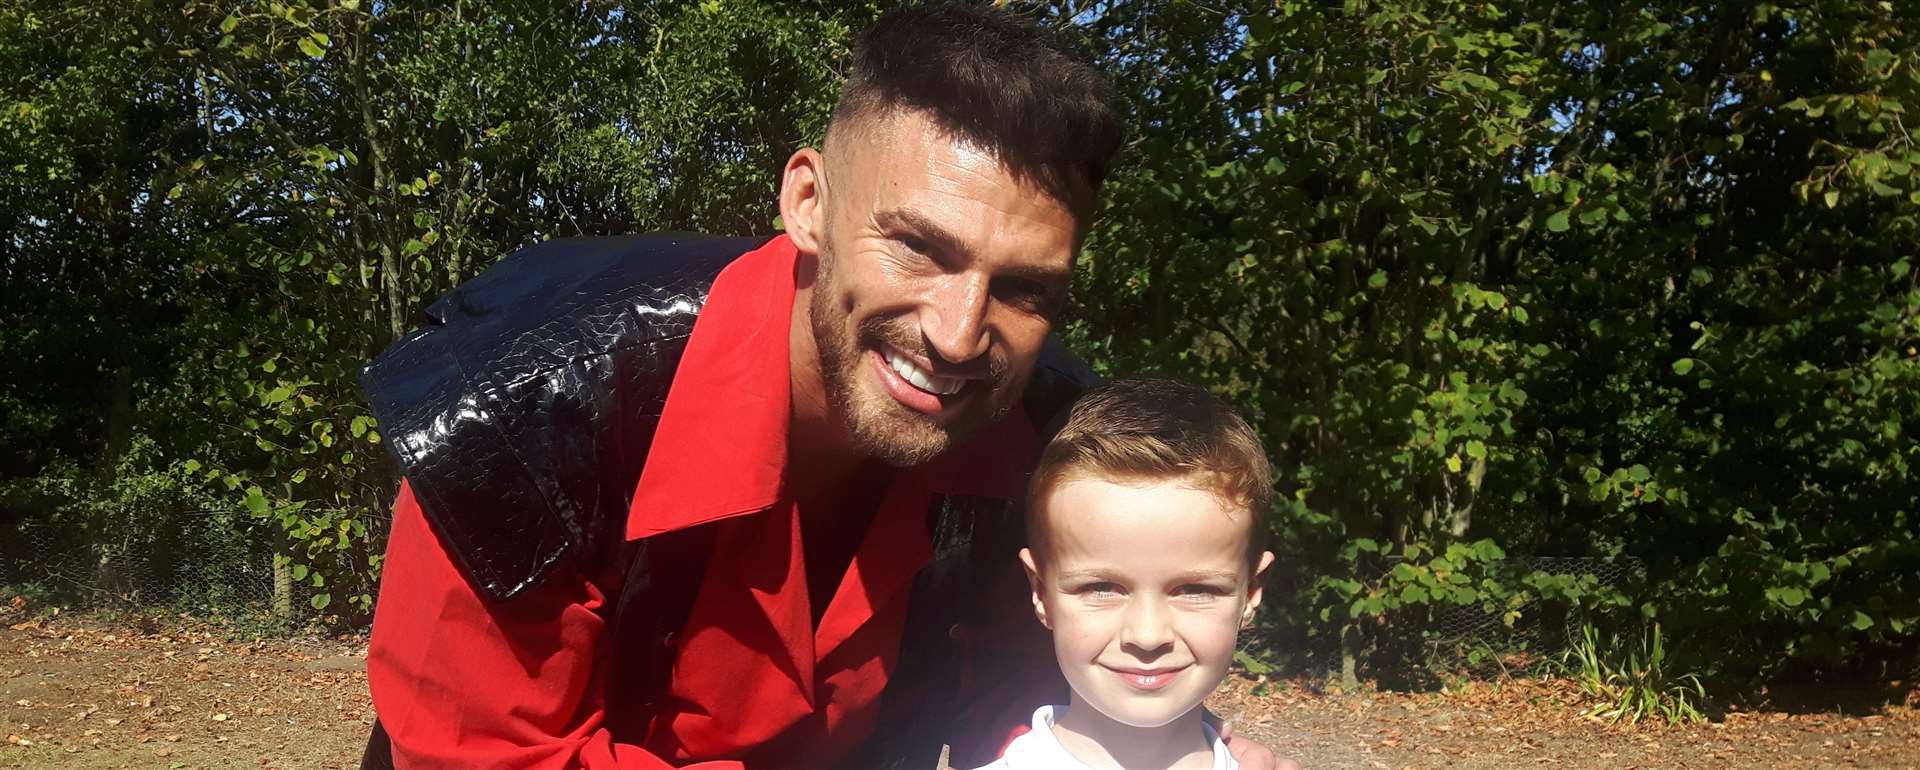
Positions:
(1145, 586)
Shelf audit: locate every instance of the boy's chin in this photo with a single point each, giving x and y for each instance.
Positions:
(1144, 713)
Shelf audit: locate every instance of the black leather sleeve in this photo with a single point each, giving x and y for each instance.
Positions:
(522, 411)
(1058, 380)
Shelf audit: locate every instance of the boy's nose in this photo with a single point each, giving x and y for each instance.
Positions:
(1147, 629)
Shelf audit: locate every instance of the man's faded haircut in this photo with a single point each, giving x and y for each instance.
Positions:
(992, 79)
(1150, 430)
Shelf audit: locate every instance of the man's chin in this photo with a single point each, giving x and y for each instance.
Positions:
(899, 437)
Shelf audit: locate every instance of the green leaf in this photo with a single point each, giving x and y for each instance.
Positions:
(1453, 463)
(1861, 621)
(1378, 280)
(1476, 449)
(320, 601)
(1683, 366)
(1639, 473)
(227, 24)
(256, 501)
(311, 48)
(300, 572)
(1559, 221)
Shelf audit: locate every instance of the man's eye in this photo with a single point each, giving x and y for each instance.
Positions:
(1025, 294)
(913, 244)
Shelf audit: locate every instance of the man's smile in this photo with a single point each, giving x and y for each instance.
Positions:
(915, 387)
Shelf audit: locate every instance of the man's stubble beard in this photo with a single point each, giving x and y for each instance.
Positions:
(885, 431)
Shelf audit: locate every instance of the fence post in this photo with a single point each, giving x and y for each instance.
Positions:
(282, 587)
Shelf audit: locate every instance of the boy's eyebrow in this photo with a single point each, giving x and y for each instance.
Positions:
(1082, 574)
(1190, 576)
(1204, 575)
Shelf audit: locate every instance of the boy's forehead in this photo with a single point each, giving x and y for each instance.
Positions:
(1089, 517)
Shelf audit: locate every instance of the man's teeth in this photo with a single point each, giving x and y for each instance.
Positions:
(927, 381)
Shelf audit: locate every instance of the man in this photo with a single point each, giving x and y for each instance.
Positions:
(658, 517)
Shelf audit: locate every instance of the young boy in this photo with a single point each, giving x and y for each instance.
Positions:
(1145, 560)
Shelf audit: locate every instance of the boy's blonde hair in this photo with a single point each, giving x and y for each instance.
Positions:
(1156, 430)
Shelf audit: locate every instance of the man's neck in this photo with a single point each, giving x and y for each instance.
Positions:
(1100, 742)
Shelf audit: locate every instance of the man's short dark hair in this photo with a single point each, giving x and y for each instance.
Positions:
(995, 80)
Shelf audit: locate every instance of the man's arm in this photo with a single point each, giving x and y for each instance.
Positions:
(461, 683)
(1253, 756)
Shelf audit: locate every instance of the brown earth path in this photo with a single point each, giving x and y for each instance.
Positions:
(89, 693)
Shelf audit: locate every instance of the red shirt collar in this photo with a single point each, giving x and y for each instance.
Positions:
(722, 439)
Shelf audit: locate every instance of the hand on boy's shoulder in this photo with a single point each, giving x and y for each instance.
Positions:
(1252, 755)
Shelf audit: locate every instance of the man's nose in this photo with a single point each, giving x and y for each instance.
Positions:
(955, 318)
(1148, 627)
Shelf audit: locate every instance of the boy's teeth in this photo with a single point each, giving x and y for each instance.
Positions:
(931, 383)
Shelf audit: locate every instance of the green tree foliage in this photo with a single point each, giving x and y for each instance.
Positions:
(1546, 277)
(1537, 278)
(222, 209)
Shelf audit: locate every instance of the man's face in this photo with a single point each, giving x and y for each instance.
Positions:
(938, 277)
(1145, 587)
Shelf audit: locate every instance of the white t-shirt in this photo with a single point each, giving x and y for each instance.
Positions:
(1040, 749)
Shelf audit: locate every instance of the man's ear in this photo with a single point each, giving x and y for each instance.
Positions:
(801, 188)
(1033, 585)
(1256, 588)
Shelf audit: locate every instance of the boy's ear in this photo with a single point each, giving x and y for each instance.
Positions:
(1256, 588)
(1033, 587)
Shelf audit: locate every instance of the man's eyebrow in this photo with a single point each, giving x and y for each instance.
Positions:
(906, 221)
(903, 221)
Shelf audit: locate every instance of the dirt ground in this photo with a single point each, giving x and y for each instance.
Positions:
(89, 694)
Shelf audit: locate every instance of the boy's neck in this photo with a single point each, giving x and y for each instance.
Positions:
(1100, 742)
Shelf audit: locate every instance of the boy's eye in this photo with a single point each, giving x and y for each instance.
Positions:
(1098, 589)
(1200, 592)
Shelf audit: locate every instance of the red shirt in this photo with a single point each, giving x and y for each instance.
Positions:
(462, 684)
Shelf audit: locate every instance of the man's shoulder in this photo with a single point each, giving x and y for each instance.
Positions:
(521, 411)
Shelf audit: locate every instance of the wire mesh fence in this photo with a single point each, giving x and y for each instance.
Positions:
(223, 563)
(217, 563)
(1540, 623)
(1478, 637)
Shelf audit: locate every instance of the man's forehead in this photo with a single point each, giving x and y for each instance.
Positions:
(889, 149)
